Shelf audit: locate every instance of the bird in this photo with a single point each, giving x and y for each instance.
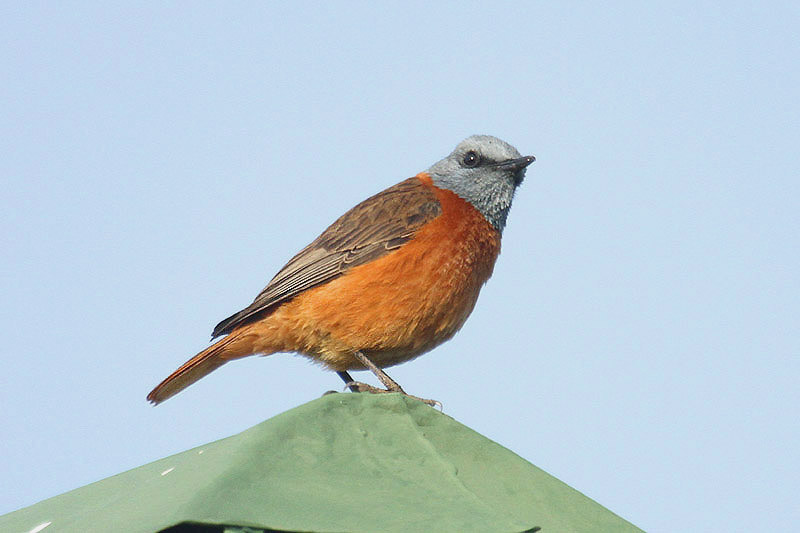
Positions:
(391, 279)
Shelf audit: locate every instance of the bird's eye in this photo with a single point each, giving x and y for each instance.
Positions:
(472, 159)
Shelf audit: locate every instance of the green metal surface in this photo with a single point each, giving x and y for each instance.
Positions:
(341, 463)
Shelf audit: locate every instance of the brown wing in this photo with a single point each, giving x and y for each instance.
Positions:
(371, 229)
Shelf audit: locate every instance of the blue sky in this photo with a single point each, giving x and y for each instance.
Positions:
(639, 338)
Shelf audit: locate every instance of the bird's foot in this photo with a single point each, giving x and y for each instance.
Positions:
(357, 386)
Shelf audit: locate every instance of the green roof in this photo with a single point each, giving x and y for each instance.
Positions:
(342, 463)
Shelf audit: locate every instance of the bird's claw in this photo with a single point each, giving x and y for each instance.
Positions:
(357, 386)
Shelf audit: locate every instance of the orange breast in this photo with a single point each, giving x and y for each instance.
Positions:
(398, 306)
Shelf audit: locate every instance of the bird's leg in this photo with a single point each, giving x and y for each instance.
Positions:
(390, 384)
(349, 382)
(357, 386)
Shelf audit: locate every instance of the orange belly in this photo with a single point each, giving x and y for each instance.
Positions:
(396, 307)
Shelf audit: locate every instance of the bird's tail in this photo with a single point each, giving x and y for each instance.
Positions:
(231, 347)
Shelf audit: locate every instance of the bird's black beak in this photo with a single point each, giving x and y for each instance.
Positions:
(517, 167)
(517, 164)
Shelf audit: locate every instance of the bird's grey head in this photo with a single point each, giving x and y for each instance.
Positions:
(484, 171)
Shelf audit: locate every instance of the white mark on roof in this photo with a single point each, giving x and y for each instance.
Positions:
(167, 471)
(40, 527)
(201, 451)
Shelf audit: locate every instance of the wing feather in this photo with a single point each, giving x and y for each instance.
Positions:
(372, 229)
